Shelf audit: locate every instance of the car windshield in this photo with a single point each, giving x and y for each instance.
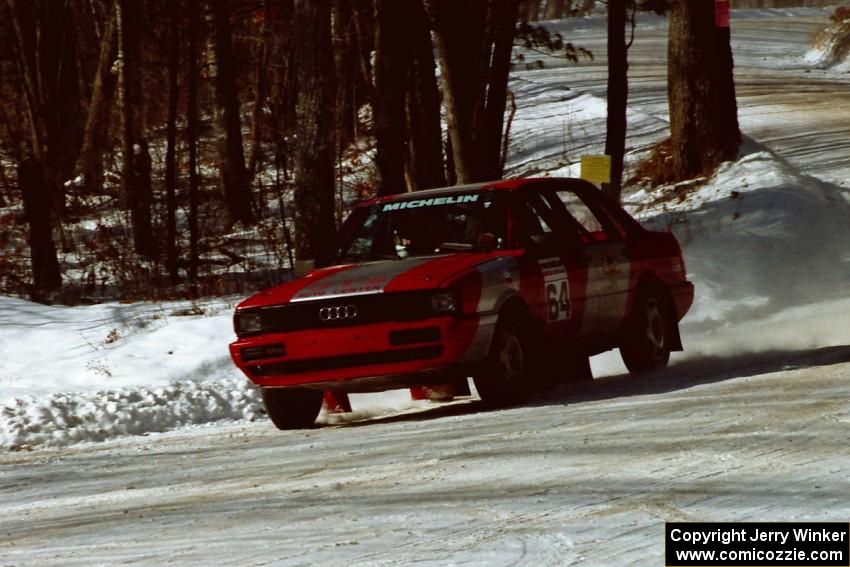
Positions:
(423, 227)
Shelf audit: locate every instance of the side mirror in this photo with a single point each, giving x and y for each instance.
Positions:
(304, 267)
(488, 241)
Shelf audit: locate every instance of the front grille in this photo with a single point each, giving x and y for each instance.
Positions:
(347, 361)
(376, 308)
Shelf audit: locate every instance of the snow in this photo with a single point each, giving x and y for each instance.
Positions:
(753, 236)
(71, 374)
(759, 237)
(750, 423)
(587, 476)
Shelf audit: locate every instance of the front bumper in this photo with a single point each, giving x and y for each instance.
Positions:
(365, 358)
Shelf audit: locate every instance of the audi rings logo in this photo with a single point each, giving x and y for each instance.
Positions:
(338, 313)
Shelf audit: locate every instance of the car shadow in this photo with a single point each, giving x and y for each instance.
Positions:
(679, 376)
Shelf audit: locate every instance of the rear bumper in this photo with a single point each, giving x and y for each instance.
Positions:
(683, 298)
(365, 358)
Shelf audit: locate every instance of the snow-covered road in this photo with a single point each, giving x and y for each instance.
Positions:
(798, 110)
(588, 477)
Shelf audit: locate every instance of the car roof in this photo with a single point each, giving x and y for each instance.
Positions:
(505, 185)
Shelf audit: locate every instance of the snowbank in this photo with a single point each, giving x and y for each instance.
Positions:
(72, 374)
(91, 373)
(65, 418)
(758, 238)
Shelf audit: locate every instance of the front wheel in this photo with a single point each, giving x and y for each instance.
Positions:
(646, 344)
(504, 378)
(292, 408)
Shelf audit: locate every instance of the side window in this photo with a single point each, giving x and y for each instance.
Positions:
(595, 229)
(544, 228)
(620, 220)
(534, 230)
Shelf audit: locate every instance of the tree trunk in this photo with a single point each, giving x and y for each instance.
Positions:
(423, 104)
(90, 162)
(314, 170)
(364, 28)
(346, 50)
(529, 10)
(493, 120)
(618, 93)
(282, 90)
(171, 145)
(45, 267)
(234, 176)
(192, 137)
(475, 40)
(136, 170)
(392, 61)
(703, 116)
(555, 9)
(38, 32)
(727, 114)
(460, 30)
(262, 56)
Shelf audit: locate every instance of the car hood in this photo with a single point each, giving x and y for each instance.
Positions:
(384, 276)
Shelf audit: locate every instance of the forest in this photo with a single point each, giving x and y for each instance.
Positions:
(181, 148)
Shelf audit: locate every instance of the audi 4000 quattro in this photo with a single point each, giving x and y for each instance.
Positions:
(513, 283)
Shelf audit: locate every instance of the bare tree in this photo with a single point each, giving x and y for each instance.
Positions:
(618, 93)
(260, 93)
(38, 28)
(193, 64)
(314, 167)
(392, 61)
(423, 105)
(474, 40)
(529, 10)
(135, 154)
(557, 9)
(234, 175)
(171, 143)
(90, 162)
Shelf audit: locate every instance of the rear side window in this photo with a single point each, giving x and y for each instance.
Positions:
(596, 228)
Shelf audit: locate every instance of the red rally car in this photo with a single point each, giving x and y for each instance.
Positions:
(515, 283)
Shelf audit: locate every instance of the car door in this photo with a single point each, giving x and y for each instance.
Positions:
(553, 268)
(609, 267)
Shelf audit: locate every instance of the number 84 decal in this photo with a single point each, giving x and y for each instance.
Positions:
(556, 285)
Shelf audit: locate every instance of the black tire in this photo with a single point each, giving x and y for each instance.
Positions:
(648, 335)
(292, 408)
(504, 378)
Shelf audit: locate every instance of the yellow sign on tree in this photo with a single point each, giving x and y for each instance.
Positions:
(596, 169)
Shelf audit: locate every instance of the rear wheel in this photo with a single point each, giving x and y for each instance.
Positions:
(292, 408)
(504, 378)
(646, 345)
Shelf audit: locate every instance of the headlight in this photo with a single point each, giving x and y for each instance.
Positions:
(247, 323)
(444, 302)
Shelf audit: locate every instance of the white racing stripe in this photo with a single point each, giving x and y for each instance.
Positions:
(364, 279)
